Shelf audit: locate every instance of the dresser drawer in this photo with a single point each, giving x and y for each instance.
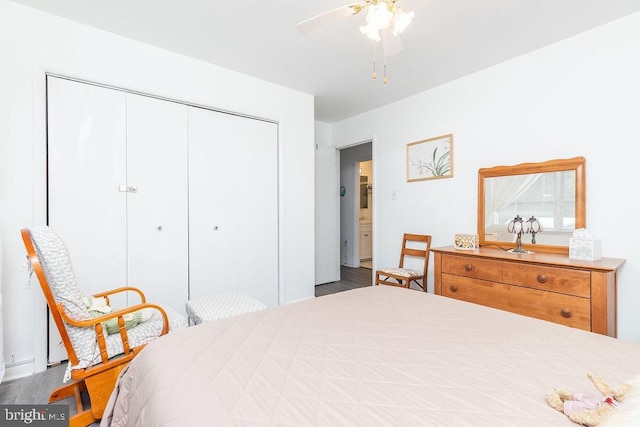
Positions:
(558, 308)
(478, 268)
(562, 280)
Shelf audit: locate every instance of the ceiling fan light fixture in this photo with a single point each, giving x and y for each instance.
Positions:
(380, 15)
(401, 20)
(371, 32)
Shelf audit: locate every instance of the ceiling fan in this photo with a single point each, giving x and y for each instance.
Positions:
(381, 14)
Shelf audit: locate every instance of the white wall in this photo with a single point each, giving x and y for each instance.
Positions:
(33, 43)
(327, 207)
(578, 97)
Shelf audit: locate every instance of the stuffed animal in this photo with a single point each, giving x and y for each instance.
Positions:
(588, 410)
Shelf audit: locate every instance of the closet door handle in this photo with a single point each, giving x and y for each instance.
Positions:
(127, 189)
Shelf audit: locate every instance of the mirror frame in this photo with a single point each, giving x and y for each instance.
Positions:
(576, 164)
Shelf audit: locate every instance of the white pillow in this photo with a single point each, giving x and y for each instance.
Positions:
(627, 414)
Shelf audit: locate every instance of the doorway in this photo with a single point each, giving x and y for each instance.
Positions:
(365, 218)
(356, 206)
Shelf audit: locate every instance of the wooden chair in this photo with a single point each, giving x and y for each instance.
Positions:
(93, 366)
(402, 276)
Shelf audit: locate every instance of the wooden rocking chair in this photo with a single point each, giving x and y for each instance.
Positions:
(93, 366)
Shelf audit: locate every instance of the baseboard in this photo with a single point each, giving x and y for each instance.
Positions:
(15, 372)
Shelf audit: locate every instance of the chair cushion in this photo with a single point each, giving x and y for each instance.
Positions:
(56, 265)
(404, 272)
(144, 332)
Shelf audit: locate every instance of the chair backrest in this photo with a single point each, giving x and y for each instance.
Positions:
(51, 262)
(424, 241)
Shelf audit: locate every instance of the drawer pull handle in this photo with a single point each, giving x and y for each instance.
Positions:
(542, 278)
(453, 288)
(566, 313)
(468, 267)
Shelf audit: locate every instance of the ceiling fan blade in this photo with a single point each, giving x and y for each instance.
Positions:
(324, 18)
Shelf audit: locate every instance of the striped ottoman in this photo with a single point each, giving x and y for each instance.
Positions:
(218, 306)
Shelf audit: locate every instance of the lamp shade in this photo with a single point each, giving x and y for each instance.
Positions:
(371, 32)
(517, 225)
(401, 21)
(379, 15)
(534, 225)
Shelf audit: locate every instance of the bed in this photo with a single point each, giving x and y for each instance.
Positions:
(368, 357)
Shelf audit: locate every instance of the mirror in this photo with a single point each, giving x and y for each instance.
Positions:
(552, 191)
(364, 195)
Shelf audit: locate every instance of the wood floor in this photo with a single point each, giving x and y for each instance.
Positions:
(350, 278)
(36, 388)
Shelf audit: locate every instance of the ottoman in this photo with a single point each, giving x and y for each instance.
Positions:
(212, 307)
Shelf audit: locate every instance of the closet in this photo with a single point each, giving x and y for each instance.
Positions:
(177, 200)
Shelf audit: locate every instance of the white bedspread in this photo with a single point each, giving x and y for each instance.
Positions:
(376, 356)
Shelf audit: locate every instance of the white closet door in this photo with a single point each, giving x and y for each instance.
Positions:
(233, 217)
(86, 163)
(257, 179)
(213, 203)
(157, 222)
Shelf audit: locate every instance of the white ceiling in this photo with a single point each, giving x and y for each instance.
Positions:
(447, 40)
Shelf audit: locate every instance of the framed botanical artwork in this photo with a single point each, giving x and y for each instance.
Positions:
(430, 158)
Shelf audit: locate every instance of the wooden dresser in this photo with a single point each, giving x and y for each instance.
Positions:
(580, 294)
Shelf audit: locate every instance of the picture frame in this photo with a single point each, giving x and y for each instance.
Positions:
(430, 158)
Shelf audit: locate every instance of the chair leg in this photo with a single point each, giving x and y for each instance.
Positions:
(67, 390)
(83, 417)
(421, 286)
(100, 386)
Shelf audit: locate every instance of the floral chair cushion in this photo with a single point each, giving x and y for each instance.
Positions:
(404, 272)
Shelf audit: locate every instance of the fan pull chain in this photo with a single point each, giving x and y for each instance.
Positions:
(384, 56)
(374, 61)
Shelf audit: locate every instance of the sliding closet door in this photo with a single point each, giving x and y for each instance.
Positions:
(157, 219)
(233, 216)
(257, 178)
(213, 201)
(85, 164)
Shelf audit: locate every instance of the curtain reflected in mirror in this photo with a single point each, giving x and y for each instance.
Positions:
(550, 197)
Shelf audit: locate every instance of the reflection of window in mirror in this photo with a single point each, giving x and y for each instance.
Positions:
(549, 196)
(364, 197)
(552, 191)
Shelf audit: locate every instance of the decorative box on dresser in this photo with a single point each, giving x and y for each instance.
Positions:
(553, 287)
